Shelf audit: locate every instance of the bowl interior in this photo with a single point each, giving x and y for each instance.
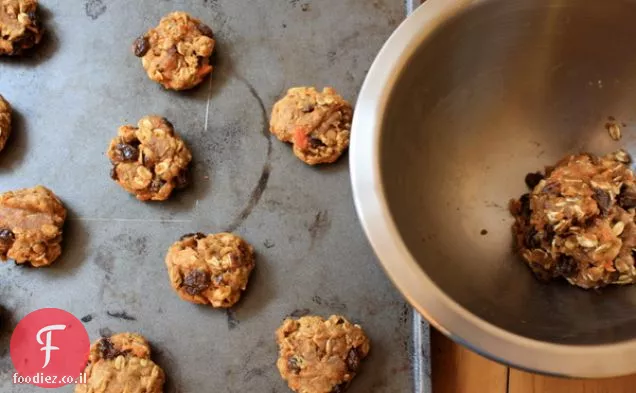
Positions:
(503, 89)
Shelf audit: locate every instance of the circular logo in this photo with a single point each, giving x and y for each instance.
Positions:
(49, 348)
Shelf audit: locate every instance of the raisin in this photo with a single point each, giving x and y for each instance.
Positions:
(613, 276)
(353, 360)
(316, 143)
(532, 179)
(540, 273)
(549, 233)
(627, 198)
(197, 236)
(525, 205)
(205, 30)
(196, 282)
(531, 239)
(181, 181)
(108, 350)
(292, 364)
(339, 388)
(113, 173)
(168, 123)
(603, 200)
(566, 266)
(156, 185)
(33, 17)
(141, 46)
(6, 235)
(127, 152)
(308, 108)
(25, 42)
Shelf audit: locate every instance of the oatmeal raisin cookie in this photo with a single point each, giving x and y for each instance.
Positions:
(121, 363)
(212, 269)
(19, 26)
(320, 356)
(31, 222)
(318, 124)
(577, 222)
(149, 160)
(177, 52)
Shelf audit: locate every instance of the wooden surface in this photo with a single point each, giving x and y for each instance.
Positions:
(457, 370)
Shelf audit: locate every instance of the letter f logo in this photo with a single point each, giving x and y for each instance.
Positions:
(48, 347)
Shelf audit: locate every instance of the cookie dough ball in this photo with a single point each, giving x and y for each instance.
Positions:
(320, 356)
(318, 124)
(19, 26)
(577, 222)
(121, 363)
(212, 269)
(176, 53)
(31, 222)
(5, 122)
(149, 160)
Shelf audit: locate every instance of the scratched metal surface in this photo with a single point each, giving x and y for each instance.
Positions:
(83, 83)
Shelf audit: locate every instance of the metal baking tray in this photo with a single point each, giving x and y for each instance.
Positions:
(83, 82)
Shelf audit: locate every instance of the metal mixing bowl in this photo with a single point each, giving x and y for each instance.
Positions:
(464, 99)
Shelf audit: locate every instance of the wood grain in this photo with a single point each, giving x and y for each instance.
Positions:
(523, 382)
(455, 369)
(458, 370)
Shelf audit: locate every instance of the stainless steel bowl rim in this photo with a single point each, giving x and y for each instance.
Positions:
(593, 361)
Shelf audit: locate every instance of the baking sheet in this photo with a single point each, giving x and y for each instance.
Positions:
(83, 83)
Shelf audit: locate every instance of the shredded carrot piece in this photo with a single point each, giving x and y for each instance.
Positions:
(300, 138)
(204, 70)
